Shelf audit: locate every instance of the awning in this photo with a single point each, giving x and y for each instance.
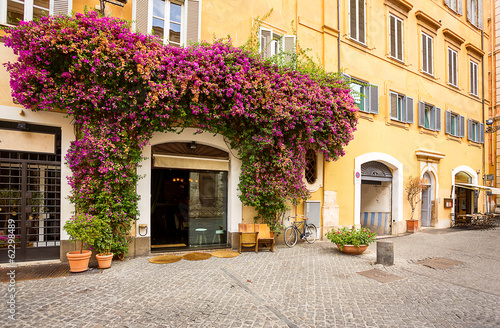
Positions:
(494, 191)
(190, 163)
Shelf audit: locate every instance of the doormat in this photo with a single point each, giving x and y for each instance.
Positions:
(162, 259)
(380, 275)
(225, 254)
(196, 256)
(439, 263)
(33, 272)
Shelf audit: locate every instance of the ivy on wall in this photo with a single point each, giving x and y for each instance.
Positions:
(121, 87)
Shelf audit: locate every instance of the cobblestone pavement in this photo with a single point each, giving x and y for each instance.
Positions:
(305, 286)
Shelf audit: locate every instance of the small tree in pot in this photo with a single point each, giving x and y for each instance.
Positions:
(413, 188)
(102, 246)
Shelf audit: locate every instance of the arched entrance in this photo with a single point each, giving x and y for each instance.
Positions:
(376, 197)
(427, 200)
(465, 197)
(188, 195)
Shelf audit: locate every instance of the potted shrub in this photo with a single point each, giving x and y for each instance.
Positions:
(102, 246)
(413, 188)
(86, 229)
(351, 240)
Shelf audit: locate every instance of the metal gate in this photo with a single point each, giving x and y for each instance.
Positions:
(30, 204)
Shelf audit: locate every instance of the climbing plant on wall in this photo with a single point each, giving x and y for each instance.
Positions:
(120, 87)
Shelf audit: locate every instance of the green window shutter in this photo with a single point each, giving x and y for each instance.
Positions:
(461, 132)
(447, 122)
(438, 119)
(481, 133)
(394, 106)
(193, 22)
(469, 129)
(409, 110)
(141, 14)
(421, 114)
(373, 98)
(61, 7)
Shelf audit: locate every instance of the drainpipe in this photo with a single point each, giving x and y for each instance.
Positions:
(338, 29)
(484, 115)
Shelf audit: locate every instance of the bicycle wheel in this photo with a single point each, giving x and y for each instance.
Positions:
(290, 236)
(311, 233)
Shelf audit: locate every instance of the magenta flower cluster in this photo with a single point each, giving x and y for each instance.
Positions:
(120, 87)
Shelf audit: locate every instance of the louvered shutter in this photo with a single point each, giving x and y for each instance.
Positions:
(480, 14)
(353, 19)
(141, 14)
(469, 129)
(421, 114)
(373, 99)
(289, 46)
(460, 7)
(447, 122)
(361, 20)
(461, 131)
(265, 42)
(481, 133)
(438, 119)
(399, 39)
(469, 10)
(193, 22)
(409, 110)
(61, 7)
(429, 55)
(424, 53)
(392, 35)
(403, 109)
(394, 106)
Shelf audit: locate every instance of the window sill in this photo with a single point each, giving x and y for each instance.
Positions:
(475, 144)
(453, 86)
(366, 116)
(427, 75)
(453, 138)
(359, 43)
(398, 124)
(396, 60)
(473, 95)
(429, 132)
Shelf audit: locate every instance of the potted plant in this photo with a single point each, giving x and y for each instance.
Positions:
(351, 240)
(83, 228)
(413, 188)
(102, 246)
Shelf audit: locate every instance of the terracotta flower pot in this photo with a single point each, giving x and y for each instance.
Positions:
(353, 250)
(412, 226)
(104, 260)
(79, 262)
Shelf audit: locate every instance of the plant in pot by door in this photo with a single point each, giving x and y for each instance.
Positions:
(413, 188)
(102, 245)
(351, 240)
(84, 228)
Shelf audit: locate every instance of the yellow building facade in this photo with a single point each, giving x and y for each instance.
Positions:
(420, 82)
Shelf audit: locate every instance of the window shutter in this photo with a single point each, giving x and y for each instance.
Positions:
(61, 7)
(481, 133)
(461, 131)
(447, 122)
(480, 14)
(193, 21)
(361, 20)
(424, 53)
(394, 106)
(469, 129)
(289, 46)
(373, 99)
(403, 109)
(409, 110)
(353, 19)
(399, 29)
(141, 14)
(469, 10)
(438, 119)
(265, 42)
(460, 7)
(429, 55)
(392, 35)
(432, 125)
(421, 114)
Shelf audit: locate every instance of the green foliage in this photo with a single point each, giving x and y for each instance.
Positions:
(84, 228)
(351, 236)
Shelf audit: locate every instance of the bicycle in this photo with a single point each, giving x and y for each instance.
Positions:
(309, 232)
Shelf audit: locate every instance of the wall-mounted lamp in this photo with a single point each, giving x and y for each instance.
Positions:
(22, 126)
(193, 145)
(143, 226)
(489, 126)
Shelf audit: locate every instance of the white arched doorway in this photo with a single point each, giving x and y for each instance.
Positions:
(427, 206)
(465, 196)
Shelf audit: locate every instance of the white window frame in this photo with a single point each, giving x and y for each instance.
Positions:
(166, 22)
(404, 113)
(277, 43)
(361, 95)
(452, 67)
(454, 118)
(473, 78)
(459, 124)
(355, 35)
(397, 33)
(28, 6)
(427, 53)
(475, 131)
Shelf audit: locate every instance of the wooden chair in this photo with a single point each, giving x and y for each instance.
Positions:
(266, 236)
(248, 236)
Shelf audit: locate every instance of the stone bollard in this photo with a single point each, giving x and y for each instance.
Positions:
(385, 252)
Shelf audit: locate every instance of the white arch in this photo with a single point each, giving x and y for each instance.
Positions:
(462, 168)
(434, 175)
(397, 184)
(235, 207)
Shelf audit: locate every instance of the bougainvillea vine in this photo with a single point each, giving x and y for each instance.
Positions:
(121, 87)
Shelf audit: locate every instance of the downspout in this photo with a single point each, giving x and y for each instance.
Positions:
(484, 115)
(338, 37)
